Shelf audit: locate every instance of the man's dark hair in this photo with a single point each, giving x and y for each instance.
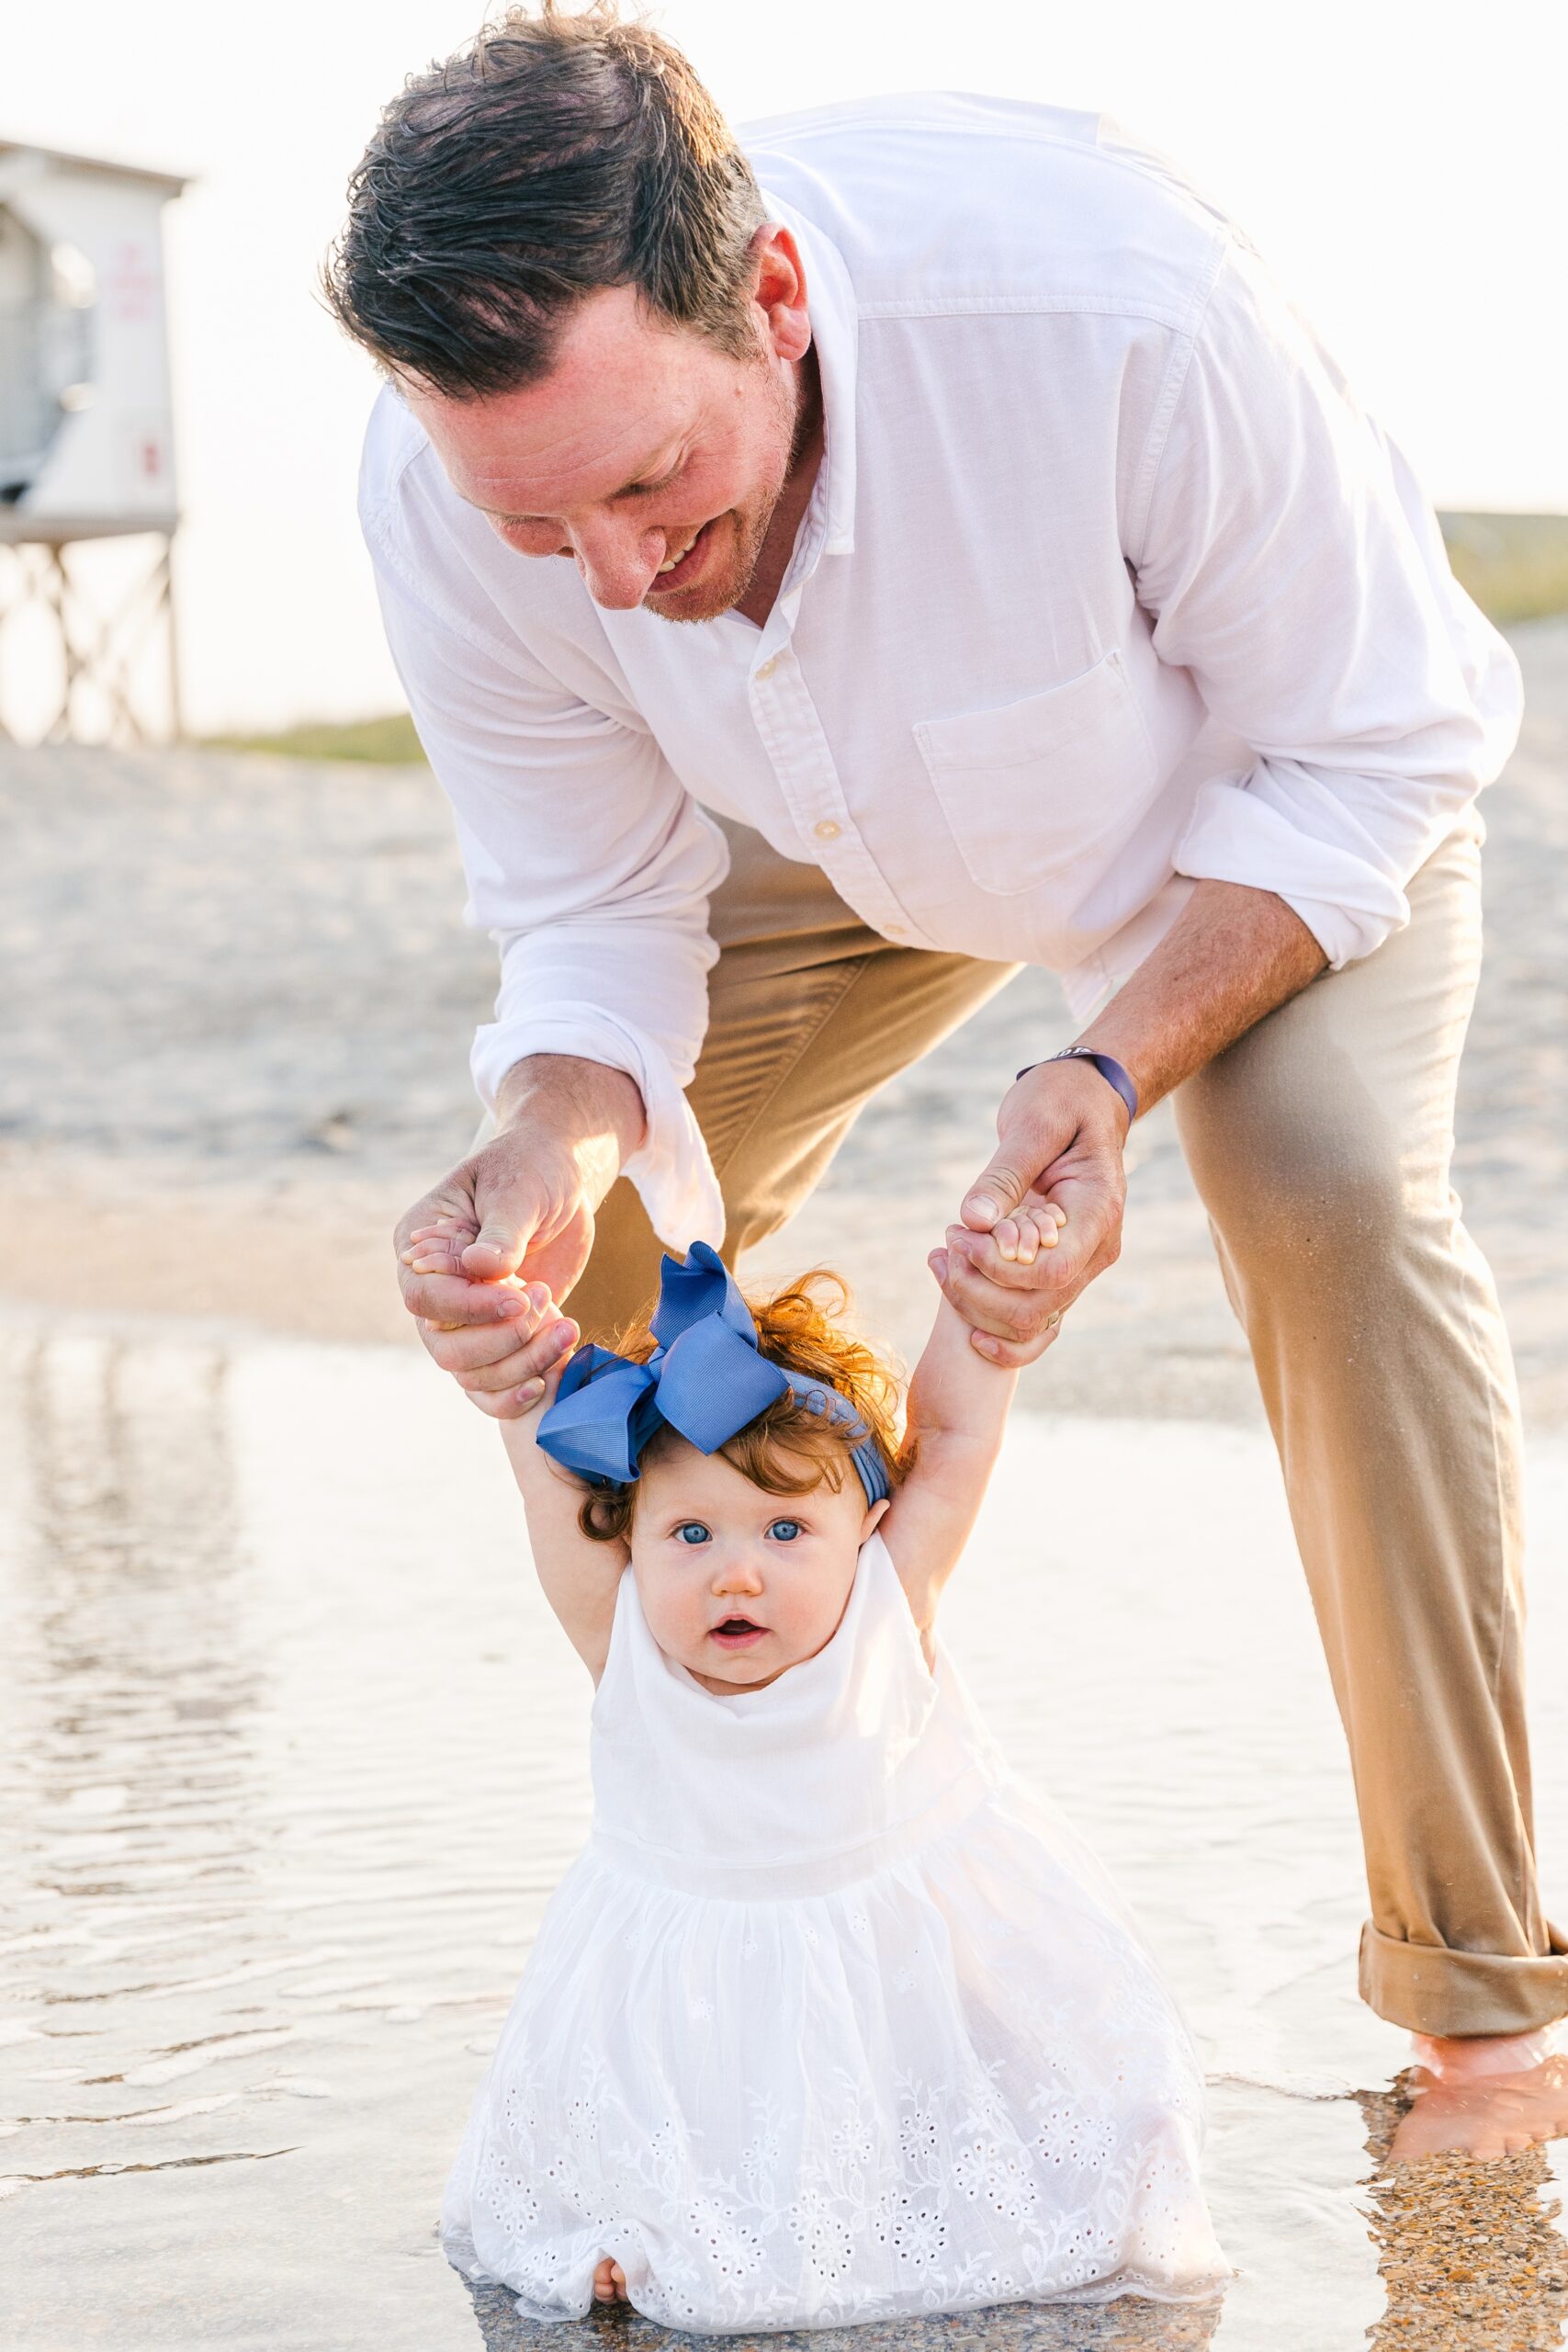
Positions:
(558, 154)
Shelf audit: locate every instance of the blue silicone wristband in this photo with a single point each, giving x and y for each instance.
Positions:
(1108, 1066)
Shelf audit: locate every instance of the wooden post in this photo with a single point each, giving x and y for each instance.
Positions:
(176, 721)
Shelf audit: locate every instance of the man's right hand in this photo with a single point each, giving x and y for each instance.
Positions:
(518, 1211)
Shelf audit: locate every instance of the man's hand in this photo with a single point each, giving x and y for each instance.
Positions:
(1232, 955)
(1043, 1218)
(518, 1211)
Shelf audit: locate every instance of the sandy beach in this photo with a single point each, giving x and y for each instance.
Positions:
(291, 1754)
(238, 1006)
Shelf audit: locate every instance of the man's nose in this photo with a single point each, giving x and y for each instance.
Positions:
(618, 560)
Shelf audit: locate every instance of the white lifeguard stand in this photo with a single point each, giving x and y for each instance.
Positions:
(86, 439)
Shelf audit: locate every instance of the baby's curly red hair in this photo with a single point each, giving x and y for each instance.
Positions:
(788, 1448)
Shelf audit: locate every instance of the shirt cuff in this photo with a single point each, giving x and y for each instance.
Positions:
(1349, 903)
(671, 1169)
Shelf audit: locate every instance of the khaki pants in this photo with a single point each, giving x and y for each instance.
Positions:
(1320, 1144)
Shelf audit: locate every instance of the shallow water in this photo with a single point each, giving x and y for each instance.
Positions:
(292, 1754)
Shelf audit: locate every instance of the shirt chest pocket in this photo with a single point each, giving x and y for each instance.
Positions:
(1028, 789)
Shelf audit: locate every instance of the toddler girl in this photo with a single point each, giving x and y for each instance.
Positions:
(828, 2023)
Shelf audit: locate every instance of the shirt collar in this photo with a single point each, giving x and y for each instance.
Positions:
(831, 302)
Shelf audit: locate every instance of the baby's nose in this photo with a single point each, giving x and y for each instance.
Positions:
(741, 1575)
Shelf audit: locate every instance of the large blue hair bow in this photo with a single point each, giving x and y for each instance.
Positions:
(707, 1378)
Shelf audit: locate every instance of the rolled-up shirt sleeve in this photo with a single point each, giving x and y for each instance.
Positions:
(590, 866)
(1289, 561)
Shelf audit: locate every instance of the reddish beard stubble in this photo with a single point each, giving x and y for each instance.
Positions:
(796, 411)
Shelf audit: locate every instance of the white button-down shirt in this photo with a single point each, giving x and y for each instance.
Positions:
(1106, 584)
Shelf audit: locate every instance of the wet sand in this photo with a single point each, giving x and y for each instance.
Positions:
(291, 1754)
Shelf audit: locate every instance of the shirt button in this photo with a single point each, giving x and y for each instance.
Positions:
(827, 830)
(766, 669)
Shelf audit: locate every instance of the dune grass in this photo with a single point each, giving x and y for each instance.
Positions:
(1516, 566)
(389, 743)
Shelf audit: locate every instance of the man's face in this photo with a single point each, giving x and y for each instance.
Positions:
(648, 456)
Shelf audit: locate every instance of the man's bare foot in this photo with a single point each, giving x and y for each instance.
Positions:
(609, 2282)
(1486, 2095)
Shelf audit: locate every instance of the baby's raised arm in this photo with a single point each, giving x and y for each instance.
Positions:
(957, 1412)
(580, 1576)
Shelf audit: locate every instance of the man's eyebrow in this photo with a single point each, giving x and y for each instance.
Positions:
(647, 474)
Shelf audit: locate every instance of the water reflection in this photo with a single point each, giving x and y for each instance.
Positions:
(1129, 2325)
(125, 1678)
(133, 1712)
(291, 1754)
(1469, 2253)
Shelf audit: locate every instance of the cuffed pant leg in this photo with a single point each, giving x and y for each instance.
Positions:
(1321, 1144)
(809, 1012)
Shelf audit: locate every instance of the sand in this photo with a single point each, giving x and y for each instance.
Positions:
(238, 999)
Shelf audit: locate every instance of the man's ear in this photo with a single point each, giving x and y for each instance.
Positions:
(781, 289)
(872, 1519)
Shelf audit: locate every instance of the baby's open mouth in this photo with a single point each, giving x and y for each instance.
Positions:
(737, 1633)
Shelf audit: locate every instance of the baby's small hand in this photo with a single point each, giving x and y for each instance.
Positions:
(1034, 1226)
(488, 1353)
(437, 1249)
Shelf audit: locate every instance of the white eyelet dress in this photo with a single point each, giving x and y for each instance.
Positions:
(829, 2022)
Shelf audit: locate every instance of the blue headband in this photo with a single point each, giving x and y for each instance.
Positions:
(706, 1379)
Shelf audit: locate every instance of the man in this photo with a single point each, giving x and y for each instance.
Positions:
(1048, 599)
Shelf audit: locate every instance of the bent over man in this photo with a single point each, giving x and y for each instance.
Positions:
(832, 572)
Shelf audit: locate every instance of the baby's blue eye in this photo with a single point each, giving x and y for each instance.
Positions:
(691, 1531)
(784, 1530)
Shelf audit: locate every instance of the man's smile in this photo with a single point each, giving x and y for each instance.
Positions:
(685, 559)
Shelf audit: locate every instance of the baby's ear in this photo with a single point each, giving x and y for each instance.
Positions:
(872, 1519)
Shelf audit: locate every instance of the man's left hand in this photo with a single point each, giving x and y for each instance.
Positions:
(1060, 1133)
